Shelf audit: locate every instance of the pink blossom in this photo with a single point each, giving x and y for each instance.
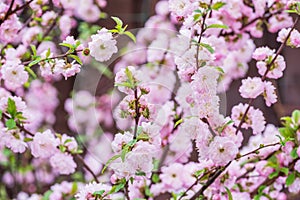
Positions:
(262, 53)
(278, 22)
(297, 166)
(103, 45)
(222, 150)
(171, 176)
(251, 87)
(275, 71)
(86, 192)
(269, 93)
(9, 29)
(48, 18)
(63, 163)
(295, 187)
(43, 144)
(14, 75)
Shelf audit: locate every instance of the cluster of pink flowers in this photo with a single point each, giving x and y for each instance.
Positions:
(163, 131)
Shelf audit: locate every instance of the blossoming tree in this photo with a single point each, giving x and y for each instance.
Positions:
(168, 138)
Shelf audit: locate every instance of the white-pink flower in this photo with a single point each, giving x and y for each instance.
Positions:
(262, 53)
(269, 93)
(222, 150)
(14, 75)
(43, 144)
(275, 71)
(63, 163)
(251, 87)
(103, 45)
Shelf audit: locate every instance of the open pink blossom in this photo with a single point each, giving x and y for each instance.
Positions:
(103, 45)
(222, 150)
(251, 87)
(63, 163)
(43, 144)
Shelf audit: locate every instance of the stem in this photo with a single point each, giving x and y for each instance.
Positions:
(210, 181)
(137, 113)
(257, 149)
(9, 10)
(21, 127)
(54, 57)
(87, 167)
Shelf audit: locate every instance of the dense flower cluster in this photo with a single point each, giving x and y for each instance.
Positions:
(163, 130)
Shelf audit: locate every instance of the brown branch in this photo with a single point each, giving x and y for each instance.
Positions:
(257, 149)
(87, 167)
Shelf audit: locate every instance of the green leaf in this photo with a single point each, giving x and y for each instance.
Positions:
(296, 116)
(70, 46)
(199, 172)
(75, 58)
(229, 194)
(294, 154)
(290, 179)
(1, 114)
(130, 35)
(261, 189)
(178, 122)
(33, 49)
(48, 53)
(31, 72)
(34, 62)
(273, 175)
(286, 132)
(140, 173)
(208, 47)
(110, 161)
(220, 70)
(118, 22)
(217, 26)
(118, 187)
(143, 136)
(28, 139)
(47, 195)
(11, 107)
(10, 124)
(155, 178)
(217, 5)
(98, 193)
(291, 11)
(285, 170)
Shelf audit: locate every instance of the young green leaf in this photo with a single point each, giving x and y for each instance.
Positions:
(208, 47)
(217, 26)
(118, 22)
(217, 5)
(130, 35)
(290, 179)
(229, 194)
(110, 161)
(31, 72)
(75, 58)
(11, 107)
(10, 124)
(34, 62)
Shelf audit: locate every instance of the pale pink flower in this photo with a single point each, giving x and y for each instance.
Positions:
(43, 144)
(222, 150)
(30, 34)
(278, 22)
(171, 176)
(275, 71)
(65, 25)
(251, 87)
(9, 29)
(48, 18)
(63, 163)
(262, 53)
(66, 69)
(87, 10)
(86, 192)
(295, 187)
(297, 166)
(14, 75)
(103, 45)
(269, 93)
